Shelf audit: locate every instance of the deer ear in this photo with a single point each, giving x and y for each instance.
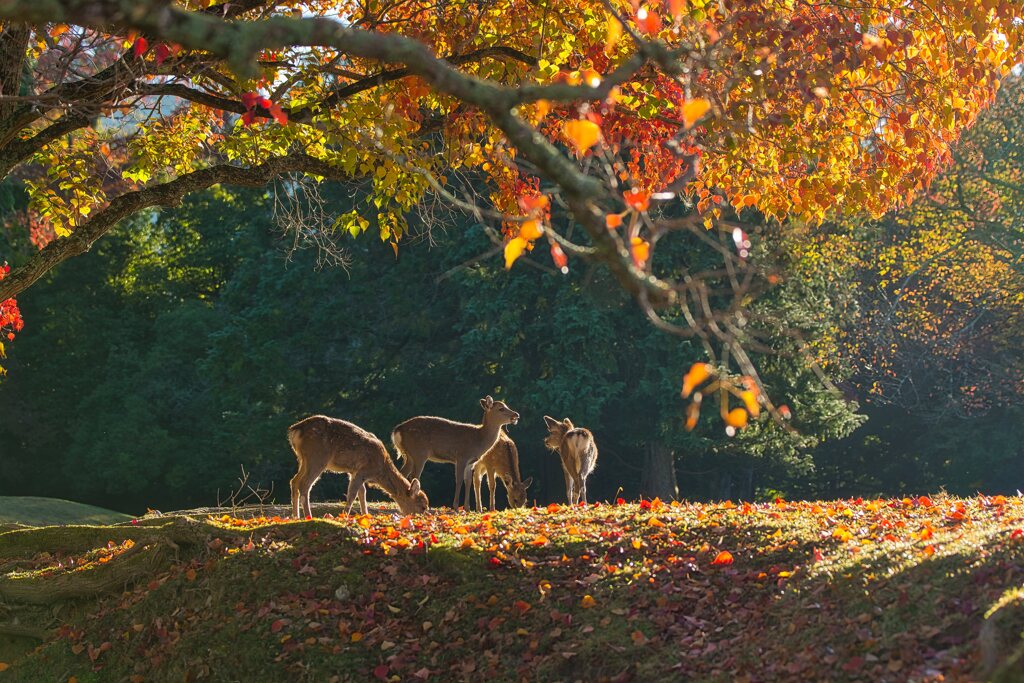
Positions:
(414, 487)
(568, 423)
(550, 422)
(526, 484)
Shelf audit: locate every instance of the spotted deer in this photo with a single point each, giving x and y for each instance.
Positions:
(424, 438)
(576, 447)
(325, 444)
(501, 462)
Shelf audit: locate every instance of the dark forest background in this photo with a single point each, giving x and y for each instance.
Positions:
(183, 345)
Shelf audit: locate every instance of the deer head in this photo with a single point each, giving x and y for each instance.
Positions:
(414, 501)
(517, 493)
(556, 431)
(498, 411)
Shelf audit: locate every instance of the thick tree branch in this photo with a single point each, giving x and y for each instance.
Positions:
(240, 42)
(165, 194)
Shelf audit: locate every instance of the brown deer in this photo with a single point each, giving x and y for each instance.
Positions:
(327, 444)
(501, 462)
(576, 447)
(420, 439)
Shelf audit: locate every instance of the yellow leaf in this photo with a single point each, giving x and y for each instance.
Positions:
(614, 32)
(694, 111)
(582, 133)
(543, 107)
(588, 602)
(513, 250)
(750, 401)
(357, 636)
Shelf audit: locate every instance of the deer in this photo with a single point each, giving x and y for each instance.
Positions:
(501, 462)
(326, 444)
(424, 438)
(578, 451)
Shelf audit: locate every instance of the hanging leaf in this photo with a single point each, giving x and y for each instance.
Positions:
(695, 376)
(513, 250)
(531, 230)
(560, 259)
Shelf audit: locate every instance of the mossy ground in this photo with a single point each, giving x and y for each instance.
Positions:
(843, 590)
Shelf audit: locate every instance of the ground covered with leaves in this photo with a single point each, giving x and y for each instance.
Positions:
(844, 590)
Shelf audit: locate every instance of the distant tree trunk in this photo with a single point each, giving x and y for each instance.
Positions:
(658, 479)
(725, 486)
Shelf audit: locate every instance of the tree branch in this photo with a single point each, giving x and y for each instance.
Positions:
(165, 194)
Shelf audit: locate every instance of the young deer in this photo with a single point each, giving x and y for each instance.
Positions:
(576, 447)
(327, 444)
(420, 439)
(501, 462)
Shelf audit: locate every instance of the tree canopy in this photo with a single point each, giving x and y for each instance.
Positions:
(633, 122)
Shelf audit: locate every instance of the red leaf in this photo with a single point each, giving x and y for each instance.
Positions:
(248, 118)
(140, 46)
(637, 200)
(277, 625)
(249, 99)
(280, 116)
(381, 671)
(161, 52)
(560, 259)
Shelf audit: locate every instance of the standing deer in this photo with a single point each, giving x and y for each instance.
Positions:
(420, 439)
(576, 447)
(326, 444)
(501, 462)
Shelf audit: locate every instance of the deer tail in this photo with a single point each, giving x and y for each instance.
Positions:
(396, 441)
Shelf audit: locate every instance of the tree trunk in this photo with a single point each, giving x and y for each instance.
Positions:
(658, 479)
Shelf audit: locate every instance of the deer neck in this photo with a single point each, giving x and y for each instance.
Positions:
(489, 431)
(392, 481)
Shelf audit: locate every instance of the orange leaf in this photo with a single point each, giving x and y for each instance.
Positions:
(694, 111)
(543, 107)
(521, 606)
(737, 417)
(654, 521)
(582, 134)
(190, 575)
(649, 22)
(531, 230)
(539, 540)
(641, 251)
(638, 638)
(692, 413)
(637, 200)
(697, 374)
(587, 602)
(4, 666)
(676, 7)
(513, 250)
(356, 637)
(613, 220)
(724, 557)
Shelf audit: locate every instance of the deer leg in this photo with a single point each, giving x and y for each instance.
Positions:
(362, 500)
(356, 485)
(478, 478)
(458, 487)
(583, 489)
(467, 472)
(296, 493)
(492, 486)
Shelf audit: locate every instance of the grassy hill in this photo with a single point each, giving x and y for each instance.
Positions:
(41, 511)
(887, 590)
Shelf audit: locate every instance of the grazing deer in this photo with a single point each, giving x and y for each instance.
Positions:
(420, 439)
(576, 447)
(327, 444)
(501, 462)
